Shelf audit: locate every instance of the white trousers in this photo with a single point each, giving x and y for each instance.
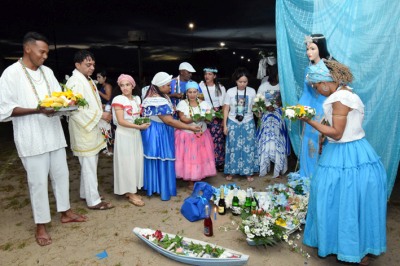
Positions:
(38, 168)
(88, 187)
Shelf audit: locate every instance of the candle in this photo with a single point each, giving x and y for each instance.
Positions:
(215, 213)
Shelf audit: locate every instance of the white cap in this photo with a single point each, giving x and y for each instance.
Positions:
(161, 78)
(186, 66)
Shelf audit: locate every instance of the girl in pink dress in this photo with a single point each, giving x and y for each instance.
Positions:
(194, 151)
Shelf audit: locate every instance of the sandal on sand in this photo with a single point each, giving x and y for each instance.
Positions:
(250, 178)
(102, 206)
(74, 219)
(228, 177)
(43, 241)
(136, 202)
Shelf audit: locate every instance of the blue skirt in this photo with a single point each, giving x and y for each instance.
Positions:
(159, 160)
(347, 206)
(241, 156)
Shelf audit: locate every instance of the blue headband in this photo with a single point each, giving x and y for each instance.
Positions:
(212, 70)
(319, 73)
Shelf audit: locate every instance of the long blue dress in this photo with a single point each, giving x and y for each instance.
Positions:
(347, 206)
(159, 149)
(310, 137)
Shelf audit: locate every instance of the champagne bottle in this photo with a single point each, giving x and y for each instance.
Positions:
(208, 226)
(221, 202)
(236, 210)
(247, 203)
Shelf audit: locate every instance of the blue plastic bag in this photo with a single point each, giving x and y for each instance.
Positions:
(193, 207)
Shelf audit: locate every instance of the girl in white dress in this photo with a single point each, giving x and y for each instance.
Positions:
(128, 147)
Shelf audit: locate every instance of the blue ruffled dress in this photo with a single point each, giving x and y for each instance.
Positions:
(347, 206)
(310, 136)
(159, 149)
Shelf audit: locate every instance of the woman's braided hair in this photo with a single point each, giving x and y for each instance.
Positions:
(339, 72)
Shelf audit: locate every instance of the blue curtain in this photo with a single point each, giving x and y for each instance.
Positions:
(364, 35)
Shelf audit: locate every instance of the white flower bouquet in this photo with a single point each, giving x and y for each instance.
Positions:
(259, 105)
(295, 112)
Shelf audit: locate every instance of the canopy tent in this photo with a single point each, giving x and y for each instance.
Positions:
(365, 36)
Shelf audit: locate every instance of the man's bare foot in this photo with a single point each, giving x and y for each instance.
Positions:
(133, 196)
(71, 217)
(41, 235)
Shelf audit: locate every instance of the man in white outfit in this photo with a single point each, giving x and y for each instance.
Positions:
(38, 135)
(86, 136)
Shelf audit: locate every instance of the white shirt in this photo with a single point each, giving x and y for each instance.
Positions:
(184, 108)
(230, 99)
(353, 130)
(216, 101)
(37, 133)
(271, 93)
(131, 108)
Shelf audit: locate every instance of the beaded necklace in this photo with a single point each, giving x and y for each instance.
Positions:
(191, 113)
(28, 76)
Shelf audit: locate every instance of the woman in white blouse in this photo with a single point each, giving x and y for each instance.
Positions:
(214, 94)
(128, 147)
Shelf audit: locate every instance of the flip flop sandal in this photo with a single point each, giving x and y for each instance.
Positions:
(43, 241)
(102, 206)
(76, 219)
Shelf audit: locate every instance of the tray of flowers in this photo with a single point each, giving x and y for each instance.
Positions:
(63, 102)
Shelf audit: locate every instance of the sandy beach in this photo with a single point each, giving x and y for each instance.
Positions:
(111, 230)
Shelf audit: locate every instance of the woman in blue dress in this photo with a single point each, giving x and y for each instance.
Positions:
(347, 206)
(158, 140)
(241, 156)
(311, 142)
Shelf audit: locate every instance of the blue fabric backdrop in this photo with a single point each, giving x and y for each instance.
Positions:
(364, 35)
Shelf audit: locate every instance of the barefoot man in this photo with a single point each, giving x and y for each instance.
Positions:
(38, 135)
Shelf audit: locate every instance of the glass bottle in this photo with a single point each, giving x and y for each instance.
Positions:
(208, 226)
(253, 205)
(247, 203)
(236, 210)
(221, 202)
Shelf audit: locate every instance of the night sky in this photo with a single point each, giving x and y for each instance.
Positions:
(246, 27)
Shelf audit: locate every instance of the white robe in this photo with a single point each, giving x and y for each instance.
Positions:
(86, 137)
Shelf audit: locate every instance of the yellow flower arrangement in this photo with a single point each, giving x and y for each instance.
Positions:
(60, 99)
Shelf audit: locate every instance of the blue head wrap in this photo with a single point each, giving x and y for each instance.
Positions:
(319, 73)
(192, 85)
